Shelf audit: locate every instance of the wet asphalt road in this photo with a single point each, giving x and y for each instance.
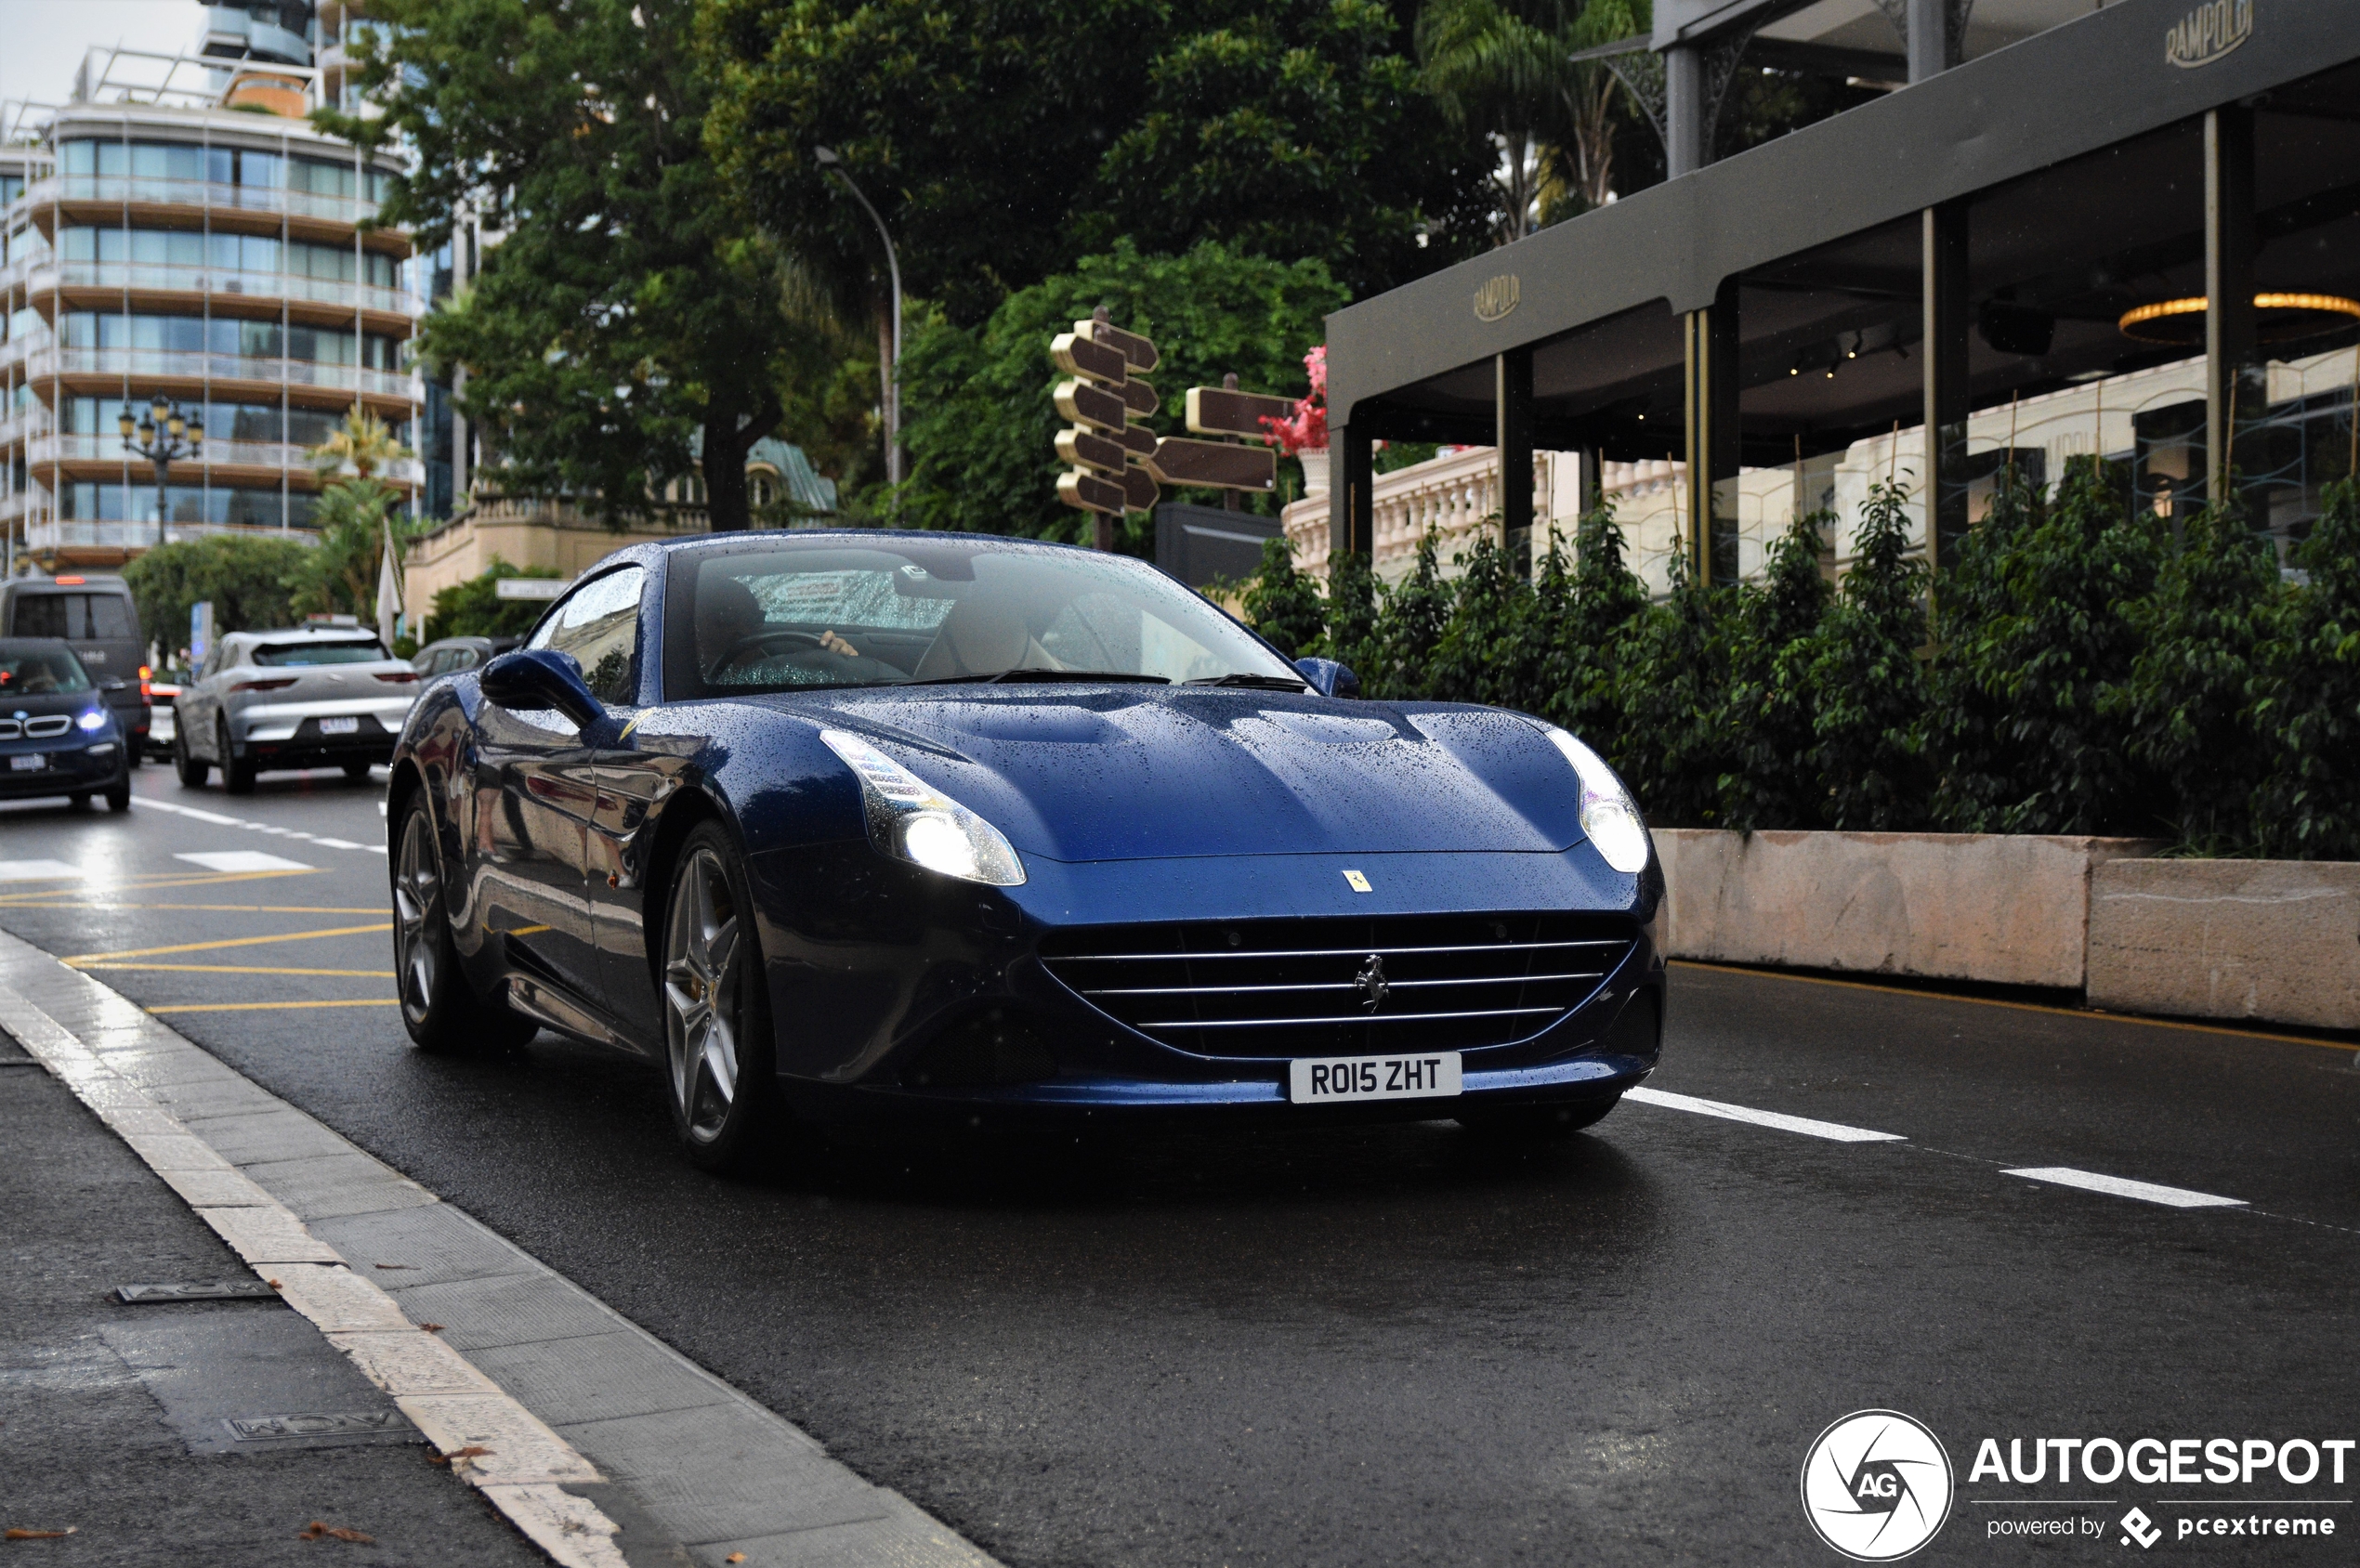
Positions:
(1392, 1345)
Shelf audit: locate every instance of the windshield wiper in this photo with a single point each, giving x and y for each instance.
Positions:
(1090, 675)
(1259, 683)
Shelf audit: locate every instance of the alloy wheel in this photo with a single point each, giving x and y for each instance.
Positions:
(415, 886)
(700, 980)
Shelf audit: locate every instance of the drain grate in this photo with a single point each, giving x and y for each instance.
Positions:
(315, 1424)
(199, 1290)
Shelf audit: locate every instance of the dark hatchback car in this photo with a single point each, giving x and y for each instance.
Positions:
(97, 619)
(56, 736)
(845, 824)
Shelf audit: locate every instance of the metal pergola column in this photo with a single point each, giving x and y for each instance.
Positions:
(1943, 273)
(1511, 409)
(1709, 339)
(2232, 376)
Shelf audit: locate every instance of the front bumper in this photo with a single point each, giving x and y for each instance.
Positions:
(879, 964)
(88, 766)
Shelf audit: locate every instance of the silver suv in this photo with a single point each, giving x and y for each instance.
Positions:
(308, 697)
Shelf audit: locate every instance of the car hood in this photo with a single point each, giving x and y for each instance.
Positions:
(1120, 772)
(34, 705)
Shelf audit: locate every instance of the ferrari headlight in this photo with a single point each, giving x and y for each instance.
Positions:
(1608, 814)
(911, 820)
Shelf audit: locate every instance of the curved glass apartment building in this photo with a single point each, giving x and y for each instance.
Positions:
(210, 252)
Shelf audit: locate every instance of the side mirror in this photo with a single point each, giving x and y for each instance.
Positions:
(539, 677)
(114, 683)
(1330, 678)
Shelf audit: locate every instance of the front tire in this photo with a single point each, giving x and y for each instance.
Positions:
(719, 1058)
(119, 793)
(191, 768)
(440, 1009)
(237, 774)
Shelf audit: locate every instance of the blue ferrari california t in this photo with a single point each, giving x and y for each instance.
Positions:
(837, 825)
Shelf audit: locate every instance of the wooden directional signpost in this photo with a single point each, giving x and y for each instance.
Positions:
(1116, 463)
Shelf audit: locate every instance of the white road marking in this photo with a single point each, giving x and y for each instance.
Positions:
(243, 860)
(2146, 1192)
(38, 870)
(270, 827)
(1835, 1131)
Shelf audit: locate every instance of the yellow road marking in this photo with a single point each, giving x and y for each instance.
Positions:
(526, 931)
(2020, 1006)
(80, 958)
(270, 1006)
(226, 908)
(137, 884)
(244, 969)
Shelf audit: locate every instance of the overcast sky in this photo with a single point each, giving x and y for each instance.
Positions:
(43, 41)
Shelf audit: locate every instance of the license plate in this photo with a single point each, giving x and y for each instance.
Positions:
(1320, 1081)
(339, 727)
(29, 761)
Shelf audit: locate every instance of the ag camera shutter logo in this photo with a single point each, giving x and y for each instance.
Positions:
(1876, 1485)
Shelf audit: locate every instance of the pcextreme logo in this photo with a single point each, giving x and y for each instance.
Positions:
(1876, 1485)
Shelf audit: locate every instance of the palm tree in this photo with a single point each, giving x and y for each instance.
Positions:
(363, 445)
(1504, 68)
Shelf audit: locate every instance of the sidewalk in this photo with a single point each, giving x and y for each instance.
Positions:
(116, 1420)
(148, 1161)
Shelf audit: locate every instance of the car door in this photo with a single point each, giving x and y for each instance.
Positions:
(193, 712)
(539, 776)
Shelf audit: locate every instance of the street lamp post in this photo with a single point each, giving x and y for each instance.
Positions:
(828, 160)
(164, 435)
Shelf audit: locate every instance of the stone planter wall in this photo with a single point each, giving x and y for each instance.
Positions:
(2274, 941)
(2265, 939)
(2012, 909)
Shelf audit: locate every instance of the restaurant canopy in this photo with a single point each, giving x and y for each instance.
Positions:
(1993, 229)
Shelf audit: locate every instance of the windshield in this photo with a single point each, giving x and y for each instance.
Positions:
(368, 652)
(778, 615)
(35, 669)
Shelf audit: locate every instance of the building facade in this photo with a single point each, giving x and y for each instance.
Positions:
(177, 231)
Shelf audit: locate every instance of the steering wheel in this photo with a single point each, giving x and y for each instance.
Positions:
(761, 639)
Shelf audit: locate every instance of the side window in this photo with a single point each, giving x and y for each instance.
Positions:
(460, 659)
(599, 625)
(40, 615)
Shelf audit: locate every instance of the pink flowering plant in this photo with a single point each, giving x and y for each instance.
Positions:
(1306, 429)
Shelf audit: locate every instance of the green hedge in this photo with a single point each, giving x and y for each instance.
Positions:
(2088, 672)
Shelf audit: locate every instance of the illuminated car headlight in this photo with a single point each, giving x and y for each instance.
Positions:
(911, 820)
(96, 719)
(1608, 814)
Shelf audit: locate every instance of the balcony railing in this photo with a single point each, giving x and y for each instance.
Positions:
(60, 533)
(50, 276)
(195, 193)
(75, 448)
(192, 366)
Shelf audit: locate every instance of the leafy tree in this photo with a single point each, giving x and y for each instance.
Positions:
(1352, 611)
(630, 302)
(1004, 139)
(338, 574)
(1283, 604)
(1673, 745)
(1871, 688)
(2307, 699)
(361, 446)
(1409, 620)
(2187, 706)
(1479, 656)
(245, 577)
(474, 608)
(1588, 622)
(982, 428)
(1968, 710)
(2036, 747)
(1772, 703)
(1291, 128)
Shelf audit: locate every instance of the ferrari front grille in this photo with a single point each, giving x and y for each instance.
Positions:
(1332, 986)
